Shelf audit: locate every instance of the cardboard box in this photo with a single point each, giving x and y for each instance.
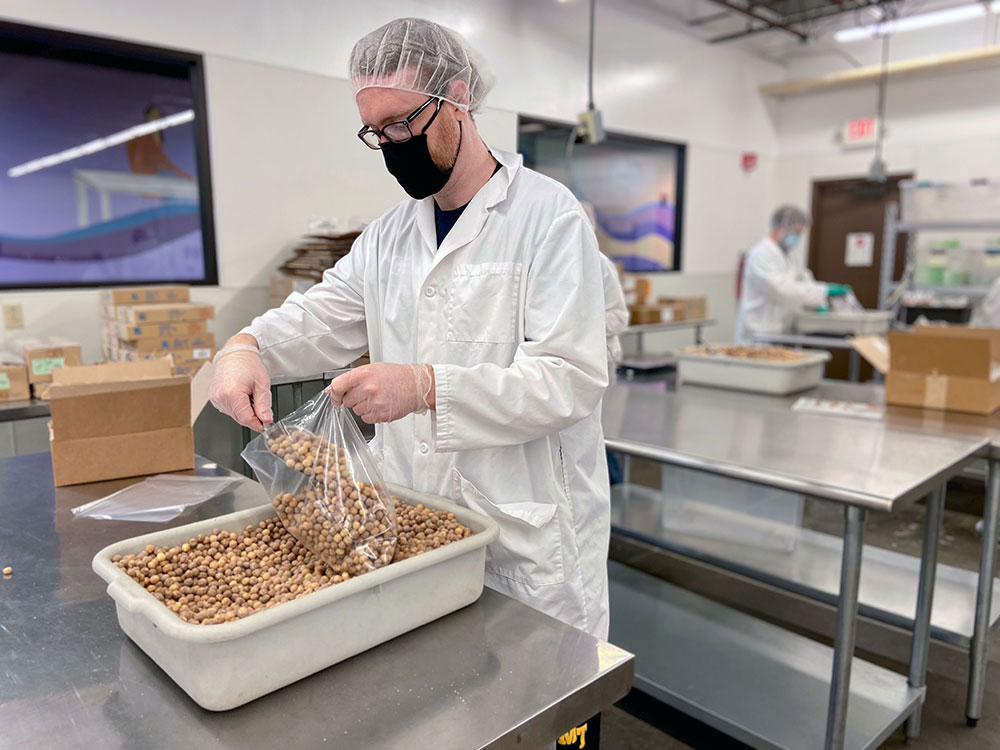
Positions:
(643, 288)
(139, 294)
(951, 368)
(42, 356)
(123, 419)
(164, 313)
(41, 391)
(126, 332)
(176, 343)
(688, 308)
(644, 314)
(280, 285)
(13, 380)
(128, 353)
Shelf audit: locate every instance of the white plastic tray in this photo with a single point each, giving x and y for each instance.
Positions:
(758, 376)
(224, 666)
(860, 323)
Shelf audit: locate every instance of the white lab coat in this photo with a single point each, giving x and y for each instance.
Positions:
(775, 287)
(989, 315)
(510, 311)
(615, 315)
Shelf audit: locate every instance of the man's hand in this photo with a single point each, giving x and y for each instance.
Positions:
(241, 387)
(385, 392)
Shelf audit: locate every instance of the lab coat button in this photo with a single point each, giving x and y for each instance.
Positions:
(430, 291)
(424, 448)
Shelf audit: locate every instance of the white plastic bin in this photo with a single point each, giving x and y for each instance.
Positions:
(224, 666)
(758, 376)
(859, 323)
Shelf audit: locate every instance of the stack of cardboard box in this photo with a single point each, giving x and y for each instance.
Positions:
(643, 310)
(313, 255)
(43, 355)
(156, 321)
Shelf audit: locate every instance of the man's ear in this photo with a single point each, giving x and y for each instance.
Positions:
(458, 92)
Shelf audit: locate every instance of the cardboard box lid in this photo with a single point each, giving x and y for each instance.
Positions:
(124, 377)
(875, 350)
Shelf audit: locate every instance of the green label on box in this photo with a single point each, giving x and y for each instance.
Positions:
(4, 381)
(46, 365)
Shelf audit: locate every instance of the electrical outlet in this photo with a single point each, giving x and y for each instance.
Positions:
(13, 317)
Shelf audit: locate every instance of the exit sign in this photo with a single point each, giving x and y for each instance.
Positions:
(862, 131)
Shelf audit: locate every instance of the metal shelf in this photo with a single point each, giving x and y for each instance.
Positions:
(969, 291)
(948, 226)
(674, 325)
(811, 567)
(756, 682)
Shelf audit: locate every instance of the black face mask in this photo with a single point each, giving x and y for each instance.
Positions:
(411, 164)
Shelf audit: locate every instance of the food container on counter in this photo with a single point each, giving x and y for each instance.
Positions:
(846, 323)
(224, 666)
(715, 367)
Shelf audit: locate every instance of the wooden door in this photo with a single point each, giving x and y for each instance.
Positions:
(851, 207)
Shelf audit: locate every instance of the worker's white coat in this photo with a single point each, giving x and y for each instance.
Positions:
(989, 315)
(775, 287)
(510, 311)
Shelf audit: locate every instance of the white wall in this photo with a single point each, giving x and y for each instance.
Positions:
(282, 121)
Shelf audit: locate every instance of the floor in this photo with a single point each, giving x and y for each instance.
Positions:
(637, 723)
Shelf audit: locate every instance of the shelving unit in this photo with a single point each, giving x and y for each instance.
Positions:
(894, 226)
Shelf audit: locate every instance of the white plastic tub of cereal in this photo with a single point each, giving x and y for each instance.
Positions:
(224, 666)
(759, 369)
(848, 323)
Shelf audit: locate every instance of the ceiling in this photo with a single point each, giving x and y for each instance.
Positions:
(779, 29)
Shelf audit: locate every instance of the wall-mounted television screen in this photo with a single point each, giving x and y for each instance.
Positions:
(104, 174)
(632, 187)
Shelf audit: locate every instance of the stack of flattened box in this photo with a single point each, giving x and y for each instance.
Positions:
(156, 321)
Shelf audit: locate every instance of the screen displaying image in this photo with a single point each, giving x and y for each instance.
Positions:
(100, 177)
(632, 188)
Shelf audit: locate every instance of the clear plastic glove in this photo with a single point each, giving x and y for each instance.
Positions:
(241, 387)
(384, 392)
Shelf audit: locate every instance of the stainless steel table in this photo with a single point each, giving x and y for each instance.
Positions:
(30, 409)
(817, 342)
(496, 674)
(644, 361)
(862, 465)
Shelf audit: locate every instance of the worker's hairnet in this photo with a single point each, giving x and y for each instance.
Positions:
(788, 216)
(412, 54)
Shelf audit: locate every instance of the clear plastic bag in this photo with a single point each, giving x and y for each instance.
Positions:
(156, 499)
(324, 484)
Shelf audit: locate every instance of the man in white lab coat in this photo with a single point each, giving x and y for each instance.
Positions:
(481, 301)
(775, 283)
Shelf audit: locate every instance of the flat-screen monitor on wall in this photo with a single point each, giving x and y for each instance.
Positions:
(104, 174)
(632, 187)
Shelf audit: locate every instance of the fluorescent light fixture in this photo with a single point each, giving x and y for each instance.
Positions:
(918, 21)
(99, 144)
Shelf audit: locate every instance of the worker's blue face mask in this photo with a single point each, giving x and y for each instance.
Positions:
(789, 241)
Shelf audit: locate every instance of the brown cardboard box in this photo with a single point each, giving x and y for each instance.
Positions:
(123, 419)
(128, 353)
(163, 313)
(644, 314)
(149, 346)
(13, 380)
(951, 368)
(144, 294)
(126, 332)
(693, 307)
(42, 356)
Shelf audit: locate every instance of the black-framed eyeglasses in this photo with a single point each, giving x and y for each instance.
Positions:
(398, 132)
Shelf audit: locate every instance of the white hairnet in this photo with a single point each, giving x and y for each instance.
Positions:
(412, 54)
(788, 216)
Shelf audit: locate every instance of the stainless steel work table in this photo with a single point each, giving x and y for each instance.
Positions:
(28, 409)
(642, 360)
(495, 674)
(860, 464)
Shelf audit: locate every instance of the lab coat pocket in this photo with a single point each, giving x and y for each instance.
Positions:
(529, 549)
(482, 306)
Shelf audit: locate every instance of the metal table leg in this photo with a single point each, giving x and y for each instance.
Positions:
(853, 366)
(847, 614)
(638, 343)
(925, 597)
(697, 335)
(979, 653)
(297, 395)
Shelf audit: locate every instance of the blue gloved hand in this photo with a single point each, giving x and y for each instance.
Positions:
(837, 290)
